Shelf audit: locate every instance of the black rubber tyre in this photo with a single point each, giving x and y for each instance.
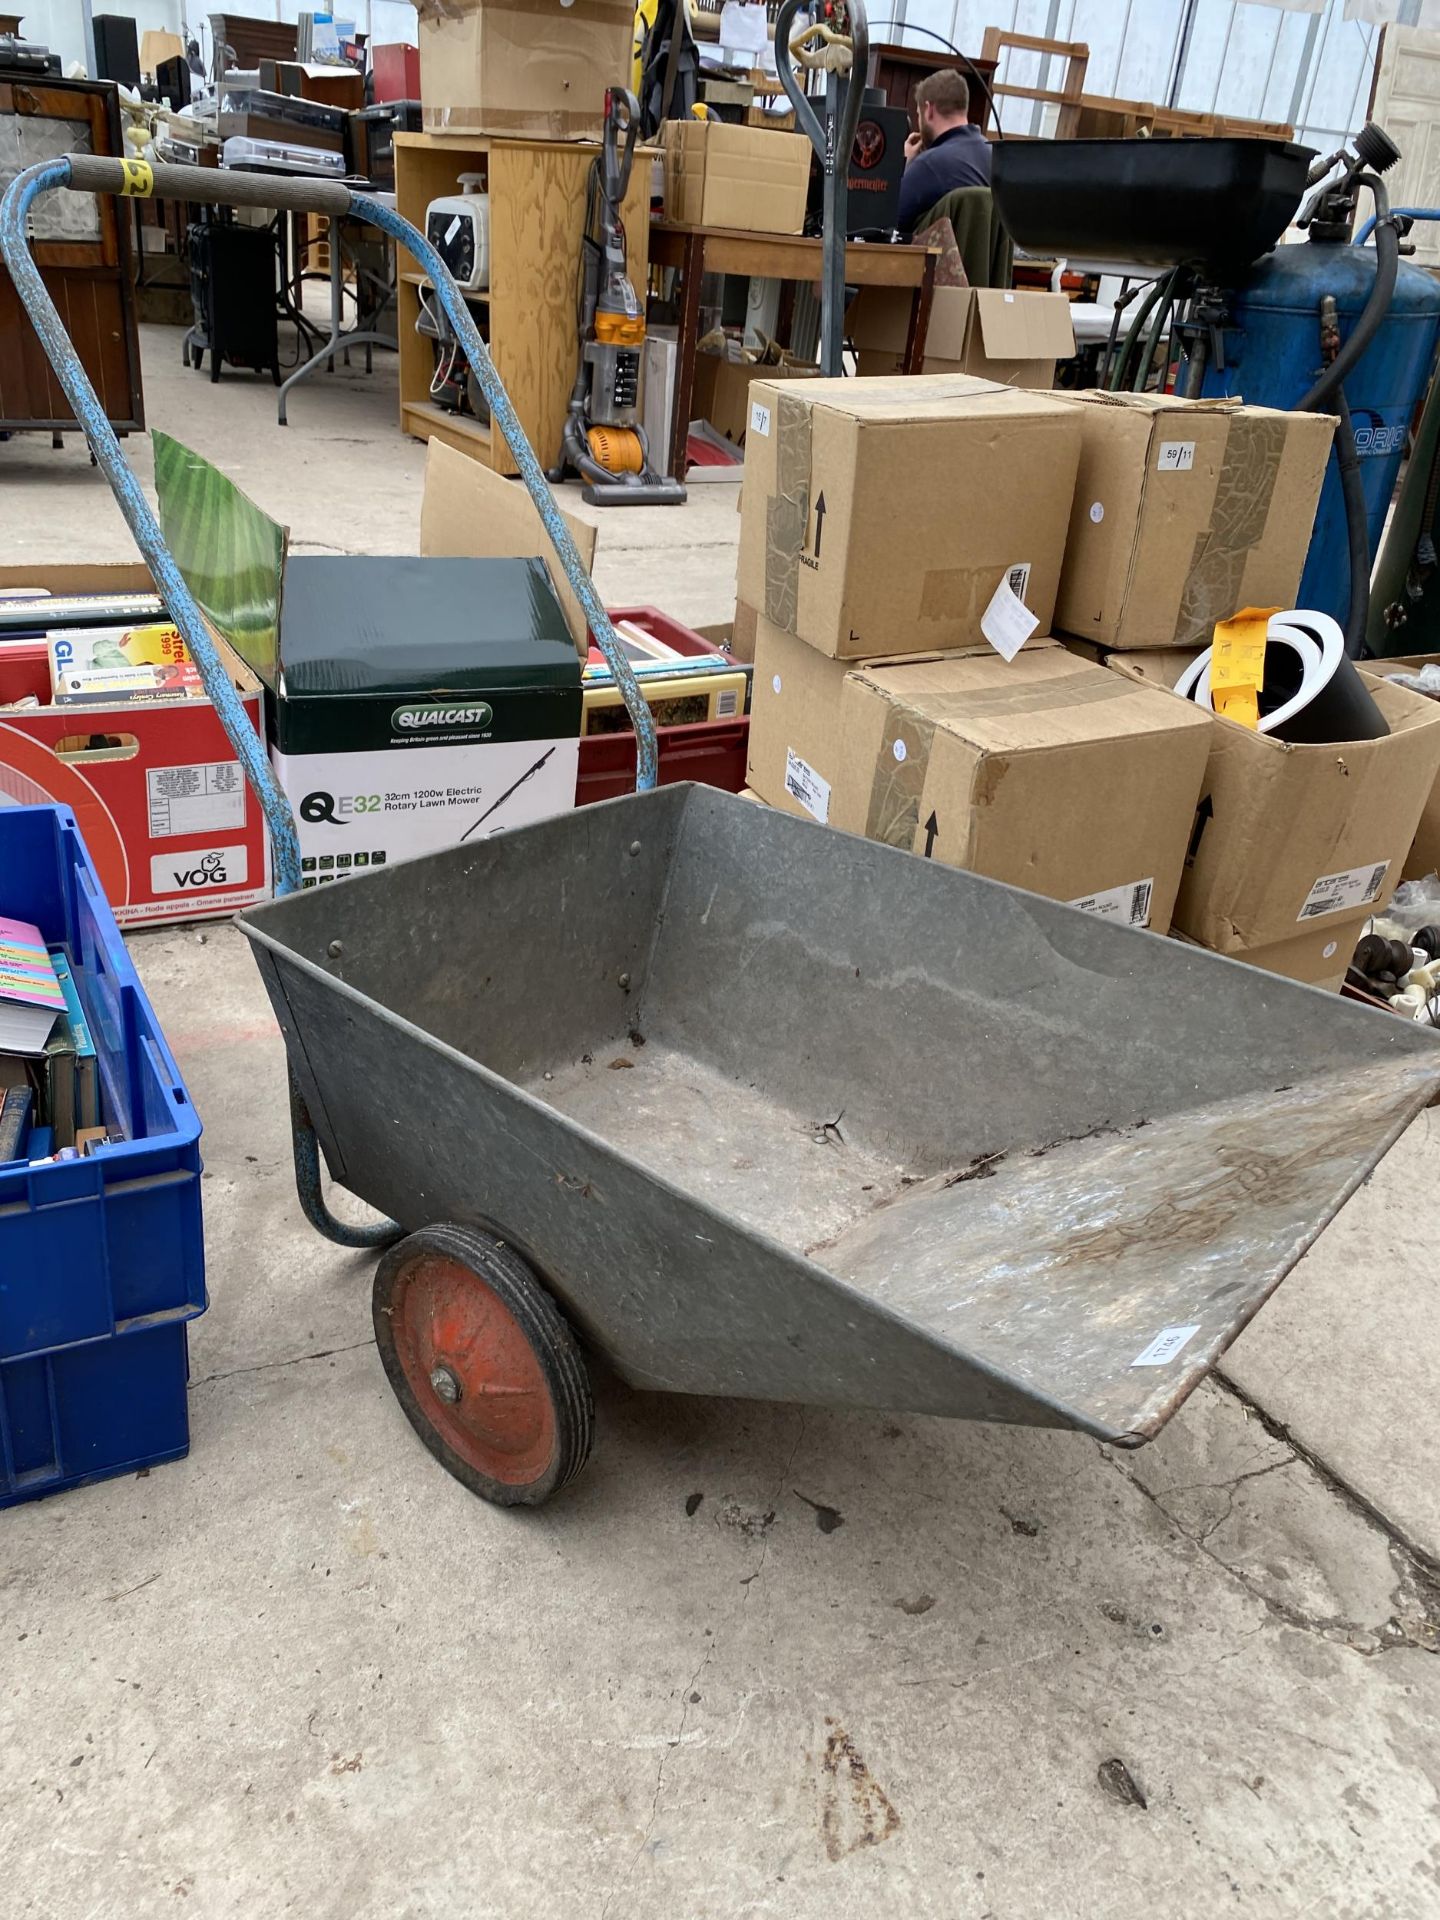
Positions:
(458, 1312)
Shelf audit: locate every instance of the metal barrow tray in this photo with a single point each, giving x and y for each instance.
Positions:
(778, 1113)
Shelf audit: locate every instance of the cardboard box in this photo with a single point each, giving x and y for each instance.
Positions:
(1185, 511)
(1028, 771)
(468, 511)
(742, 633)
(1318, 957)
(524, 69)
(718, 175)
(172, 826)
(411, 702)
(1014, 338)
(882, 516)
(1424, 855)
(1293, 839)
(721, 393)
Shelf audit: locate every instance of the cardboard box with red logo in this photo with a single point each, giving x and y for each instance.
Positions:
(162, 801)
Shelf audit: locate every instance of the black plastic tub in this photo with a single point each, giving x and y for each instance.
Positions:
(1219, 204)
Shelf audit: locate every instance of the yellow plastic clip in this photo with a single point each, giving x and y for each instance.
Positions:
(139, 181)
(1237, 665)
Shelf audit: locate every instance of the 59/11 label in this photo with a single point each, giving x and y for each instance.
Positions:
(1175, 456)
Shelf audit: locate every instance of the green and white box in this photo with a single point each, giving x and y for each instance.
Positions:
(411, 703)
(417, 703)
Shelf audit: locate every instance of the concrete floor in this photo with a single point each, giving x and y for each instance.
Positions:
(758, 1660)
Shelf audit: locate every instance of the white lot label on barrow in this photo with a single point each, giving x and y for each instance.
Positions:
(804, 784)
(760, 419)
(1165, 1346)
(1356, 887)
(1131, 904)
(1175, 456)
(1007, 623)
(198, 870)
(208, 798)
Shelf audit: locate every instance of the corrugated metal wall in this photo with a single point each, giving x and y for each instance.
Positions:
(1226, 56)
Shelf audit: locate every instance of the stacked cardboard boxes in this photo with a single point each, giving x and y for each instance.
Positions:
(900, 557)
(1184, 512)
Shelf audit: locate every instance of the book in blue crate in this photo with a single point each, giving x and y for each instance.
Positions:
(72, 1083)
(30, 995)
(16, 1106)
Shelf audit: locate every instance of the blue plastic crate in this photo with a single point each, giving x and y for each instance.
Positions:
(102, 1259)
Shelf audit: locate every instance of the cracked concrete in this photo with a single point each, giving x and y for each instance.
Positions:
(1317, 1560)
(303, 1672)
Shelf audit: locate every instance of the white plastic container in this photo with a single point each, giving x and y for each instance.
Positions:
(458, 227)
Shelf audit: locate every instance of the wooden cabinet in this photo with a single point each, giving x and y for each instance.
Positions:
(537, 217)
(82, 246)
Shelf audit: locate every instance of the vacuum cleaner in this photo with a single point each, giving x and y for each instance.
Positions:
(604, 441)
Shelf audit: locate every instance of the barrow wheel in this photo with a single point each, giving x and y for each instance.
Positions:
(484, 1364)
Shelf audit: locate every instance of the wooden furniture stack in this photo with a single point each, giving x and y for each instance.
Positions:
(82, 246)
(1095, 116)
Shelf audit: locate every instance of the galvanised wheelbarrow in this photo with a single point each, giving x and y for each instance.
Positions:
(750, 1107)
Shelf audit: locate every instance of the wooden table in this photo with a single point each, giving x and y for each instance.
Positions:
(696, 251)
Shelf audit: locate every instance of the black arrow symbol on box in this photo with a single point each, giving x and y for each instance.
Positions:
(932, 827)
(1204, 814)
(819, 523)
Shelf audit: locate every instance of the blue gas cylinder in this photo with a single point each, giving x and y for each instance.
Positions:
(1272, 358)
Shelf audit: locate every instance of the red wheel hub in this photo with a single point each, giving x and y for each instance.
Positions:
(470, 1366)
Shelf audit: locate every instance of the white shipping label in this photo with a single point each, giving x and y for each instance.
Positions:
(1175, 456)
(760, 419)
(1356, 887)
(199, 870)
(1007, 623)
(1165, 1346)
(1130, 905)
(804, 784)
(209, 798)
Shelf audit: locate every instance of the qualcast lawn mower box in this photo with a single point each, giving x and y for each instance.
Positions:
(411, 703)
(419, 703)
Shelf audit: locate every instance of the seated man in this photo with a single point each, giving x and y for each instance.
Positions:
(946, 152)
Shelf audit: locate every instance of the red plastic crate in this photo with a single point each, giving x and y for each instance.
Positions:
(712, 751)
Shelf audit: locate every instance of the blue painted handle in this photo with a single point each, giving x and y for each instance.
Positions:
(19, 198)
